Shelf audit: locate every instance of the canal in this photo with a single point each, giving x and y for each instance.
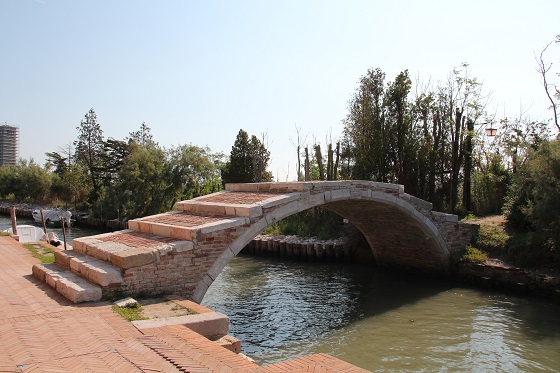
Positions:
(382, 321)
(71, 233)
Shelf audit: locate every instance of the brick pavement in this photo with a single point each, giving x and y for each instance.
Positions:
(41, 331)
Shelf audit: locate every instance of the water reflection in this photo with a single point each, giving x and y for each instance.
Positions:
(382, 321)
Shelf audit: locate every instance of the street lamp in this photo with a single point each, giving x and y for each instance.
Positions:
(491, 132)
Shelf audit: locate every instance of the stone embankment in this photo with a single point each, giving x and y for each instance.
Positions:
(307, 249)
(498, 275)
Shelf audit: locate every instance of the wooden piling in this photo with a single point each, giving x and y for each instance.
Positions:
(13, 218)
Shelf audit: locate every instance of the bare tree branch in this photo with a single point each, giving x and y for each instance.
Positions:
(544, 68)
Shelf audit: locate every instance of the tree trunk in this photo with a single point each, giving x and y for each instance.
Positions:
(307, 166)
(468, 166)
(455, 161)
(319, 157)
(335, 171)
(330, 163)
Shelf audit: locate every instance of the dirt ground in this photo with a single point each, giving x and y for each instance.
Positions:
(497, 220)
(160, 307)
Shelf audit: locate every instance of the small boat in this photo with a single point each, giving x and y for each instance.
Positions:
(53, 217)
(28, 233)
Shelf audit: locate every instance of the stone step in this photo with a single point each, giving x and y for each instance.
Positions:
(68, 284)
(92, 269)
(230, 203)
(184, 225)
(128, 249)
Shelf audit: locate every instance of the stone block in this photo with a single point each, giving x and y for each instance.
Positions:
(126, 302)
(279, 200)
(226, 223)
(242, 187)
(230, 343)
(182, 246)
(133, 257)
(212, 325)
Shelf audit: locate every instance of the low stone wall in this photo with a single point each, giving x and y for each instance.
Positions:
(19, 212)
(312, 249)
(520, 280)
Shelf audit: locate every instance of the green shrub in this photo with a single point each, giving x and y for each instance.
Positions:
(473, 255)
(315, 222)
(131, 313)
(491, 238)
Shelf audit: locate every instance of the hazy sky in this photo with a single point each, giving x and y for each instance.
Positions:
(198, 71)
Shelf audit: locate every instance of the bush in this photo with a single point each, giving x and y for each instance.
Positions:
(315, 222)
(473, 255)
(533, 205)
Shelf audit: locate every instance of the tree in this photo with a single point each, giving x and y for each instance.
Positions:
(113, 156)
(143, 136)
(58, 161)
(89, 149)
(145, 183)
(247, 162)
(533, 204)
(364, 127)
(195, 171)
(551, 89)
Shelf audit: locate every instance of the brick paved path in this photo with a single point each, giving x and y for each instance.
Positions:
(40, 331)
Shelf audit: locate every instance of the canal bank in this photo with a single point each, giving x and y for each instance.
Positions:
(493, 274)
(35, 321)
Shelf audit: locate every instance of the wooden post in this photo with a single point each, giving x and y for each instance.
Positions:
(43, 221)
(63, 231)
(13, 216)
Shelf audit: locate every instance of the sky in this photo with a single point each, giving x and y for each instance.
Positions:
(199, 71)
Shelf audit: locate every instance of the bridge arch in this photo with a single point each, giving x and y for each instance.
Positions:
(398, 227)
(183, 251)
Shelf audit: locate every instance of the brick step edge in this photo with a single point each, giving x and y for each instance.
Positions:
(94, 270)
(70, 285)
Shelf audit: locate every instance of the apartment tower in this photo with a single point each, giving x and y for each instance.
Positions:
(8, 144)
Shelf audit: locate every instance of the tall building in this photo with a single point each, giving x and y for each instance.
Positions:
(8, 144)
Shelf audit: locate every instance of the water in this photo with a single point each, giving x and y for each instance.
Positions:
(382, 321)
(71, 233)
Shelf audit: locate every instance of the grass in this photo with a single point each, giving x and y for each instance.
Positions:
(44, 254)
(131, 313)
(473, 255)
(2, 233)
(492, 237)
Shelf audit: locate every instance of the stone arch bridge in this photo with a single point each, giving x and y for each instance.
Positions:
(183, 251)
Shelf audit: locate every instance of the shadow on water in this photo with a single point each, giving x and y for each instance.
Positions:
(275, 303)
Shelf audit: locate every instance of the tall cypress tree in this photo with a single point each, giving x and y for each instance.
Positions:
(89, 148)
(247, 162)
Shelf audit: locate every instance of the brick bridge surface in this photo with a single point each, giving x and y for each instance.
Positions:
(183, 251)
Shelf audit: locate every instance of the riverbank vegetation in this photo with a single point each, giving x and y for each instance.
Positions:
(437, 139)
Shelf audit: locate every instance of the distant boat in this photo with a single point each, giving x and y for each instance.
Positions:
(52, 217)
(28, 233)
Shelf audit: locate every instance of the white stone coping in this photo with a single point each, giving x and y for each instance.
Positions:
(212, 325)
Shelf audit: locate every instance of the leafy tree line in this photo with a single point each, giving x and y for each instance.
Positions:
(133, 177)
(115, 178)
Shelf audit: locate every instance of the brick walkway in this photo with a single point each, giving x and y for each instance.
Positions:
(42, 331)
